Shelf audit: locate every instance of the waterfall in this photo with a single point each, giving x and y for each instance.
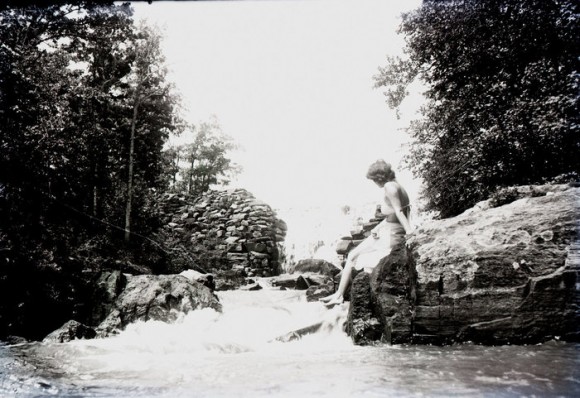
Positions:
(250, 322)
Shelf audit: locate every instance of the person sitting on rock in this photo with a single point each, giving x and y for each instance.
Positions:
(386, 235)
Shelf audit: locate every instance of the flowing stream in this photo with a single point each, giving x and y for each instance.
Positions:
(236, 354)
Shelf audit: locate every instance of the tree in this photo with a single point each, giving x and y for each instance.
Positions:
(502, 95)
(43, 128)
(82, 100)
(152, 116)
(203, 162)
(100, 99)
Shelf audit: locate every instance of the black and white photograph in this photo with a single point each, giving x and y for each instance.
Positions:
(289, 198)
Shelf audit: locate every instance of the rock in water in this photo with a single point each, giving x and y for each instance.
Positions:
(316, 292)
(70, 331)
(314, 266)
(156, 297)
(195, 276)
(299, 333)
(491, 275)
(362, 324)
(107, 288)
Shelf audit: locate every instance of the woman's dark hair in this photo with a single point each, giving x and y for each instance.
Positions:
(380, 171)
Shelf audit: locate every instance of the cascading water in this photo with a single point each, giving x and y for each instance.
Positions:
(236, 354)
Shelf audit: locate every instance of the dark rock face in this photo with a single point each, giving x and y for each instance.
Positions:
(490, 275)
(393, 284)
(108, 286)
(362, 325)
(156, 297)
(70, 331)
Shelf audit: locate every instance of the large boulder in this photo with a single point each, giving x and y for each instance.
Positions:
(314, 266)
(392, 287)
(156, 297)
(107, 287)
(205, 279)
(491, 275)
(70, 331)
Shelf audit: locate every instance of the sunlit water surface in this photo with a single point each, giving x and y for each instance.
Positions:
(235, 354)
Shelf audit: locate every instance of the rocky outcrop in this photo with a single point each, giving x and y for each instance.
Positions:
(70, 331)
(107, 287)
(156, 297)
(498, 275)
(223, 230)
(362, 324)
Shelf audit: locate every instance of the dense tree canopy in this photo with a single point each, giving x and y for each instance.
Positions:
(501, 100)
(85, 111)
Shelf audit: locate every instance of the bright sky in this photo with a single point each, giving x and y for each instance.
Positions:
(291, 82)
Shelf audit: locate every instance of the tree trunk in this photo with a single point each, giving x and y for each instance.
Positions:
(95, 189)
(190, 190)
(130, 173)
(176, 170)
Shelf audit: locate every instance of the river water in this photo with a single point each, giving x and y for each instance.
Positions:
(236, 354)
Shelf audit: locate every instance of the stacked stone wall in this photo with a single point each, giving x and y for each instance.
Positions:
(226, 230)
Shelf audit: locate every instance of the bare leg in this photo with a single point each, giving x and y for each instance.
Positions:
(338, 296)
(368, 245)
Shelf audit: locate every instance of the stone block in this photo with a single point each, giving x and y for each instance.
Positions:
(426, 312)
(259, 255)
(344, 246)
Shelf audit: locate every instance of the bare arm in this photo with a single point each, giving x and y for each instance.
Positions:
(392, 194)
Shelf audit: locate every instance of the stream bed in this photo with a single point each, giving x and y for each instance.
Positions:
(235, 354)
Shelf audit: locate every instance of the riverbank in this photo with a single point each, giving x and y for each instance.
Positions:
(503, 272)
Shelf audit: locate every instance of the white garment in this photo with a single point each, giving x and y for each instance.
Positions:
(373, 249)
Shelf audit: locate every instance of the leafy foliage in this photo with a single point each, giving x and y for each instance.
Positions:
(152, 104)
(202, 163)
(502, 95)
(71, 78)
(79, 86)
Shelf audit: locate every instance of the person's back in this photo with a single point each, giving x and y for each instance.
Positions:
(388, 209)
